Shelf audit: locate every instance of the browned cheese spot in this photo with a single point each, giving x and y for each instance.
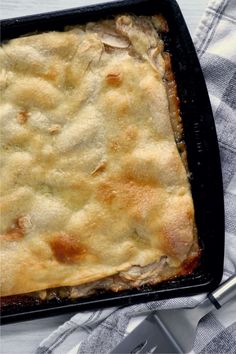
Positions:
(51, 74)
(22, 117)
(114, 146)
(114, 79)
(129, 195)
(16, 232)
(66, 248)
(105, 193)
(125, 141)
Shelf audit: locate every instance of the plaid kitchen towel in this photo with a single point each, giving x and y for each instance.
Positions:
(100, 331)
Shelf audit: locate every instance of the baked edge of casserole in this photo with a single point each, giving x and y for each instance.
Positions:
(152, 273)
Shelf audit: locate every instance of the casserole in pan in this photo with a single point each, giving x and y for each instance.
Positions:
(97, 201)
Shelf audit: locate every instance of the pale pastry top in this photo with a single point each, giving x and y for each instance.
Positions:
(92, 182)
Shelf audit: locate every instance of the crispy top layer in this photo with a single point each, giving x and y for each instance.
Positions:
(92, 181)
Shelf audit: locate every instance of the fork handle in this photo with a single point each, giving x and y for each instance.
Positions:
(224, 293)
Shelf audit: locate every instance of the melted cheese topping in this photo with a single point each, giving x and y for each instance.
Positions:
(92, 183)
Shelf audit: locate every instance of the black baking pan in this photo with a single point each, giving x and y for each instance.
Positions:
(202, 148)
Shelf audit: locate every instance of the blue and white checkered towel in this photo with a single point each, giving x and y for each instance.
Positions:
(100, 331)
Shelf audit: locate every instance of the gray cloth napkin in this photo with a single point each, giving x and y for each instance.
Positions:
(100, 331)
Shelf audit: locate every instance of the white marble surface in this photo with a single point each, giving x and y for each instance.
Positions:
(25, 336)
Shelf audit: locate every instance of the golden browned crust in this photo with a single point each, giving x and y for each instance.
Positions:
(94, 192)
